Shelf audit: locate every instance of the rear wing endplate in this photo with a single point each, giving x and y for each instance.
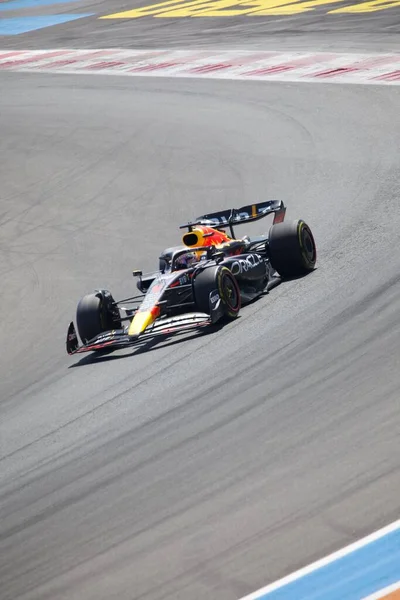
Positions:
(237, 216)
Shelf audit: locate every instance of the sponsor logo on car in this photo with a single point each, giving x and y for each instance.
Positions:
(243, 215)
(214, 297)
(244, 265)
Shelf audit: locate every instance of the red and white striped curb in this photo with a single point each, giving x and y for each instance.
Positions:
(244, 65)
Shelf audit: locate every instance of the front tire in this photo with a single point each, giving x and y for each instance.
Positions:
(292, 248)
(96, 314)
(220, 279)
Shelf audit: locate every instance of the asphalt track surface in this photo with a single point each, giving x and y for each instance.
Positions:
(208, 466)
(364, 32)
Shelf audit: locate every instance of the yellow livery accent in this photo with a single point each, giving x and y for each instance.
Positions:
(142, 320)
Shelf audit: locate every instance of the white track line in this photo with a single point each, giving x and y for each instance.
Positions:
(325, 561)
(385, 592)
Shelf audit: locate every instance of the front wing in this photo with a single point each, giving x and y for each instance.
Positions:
(118, 338)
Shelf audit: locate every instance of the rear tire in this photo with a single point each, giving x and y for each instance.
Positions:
(292, 248)
(220, 279)
(93, 316)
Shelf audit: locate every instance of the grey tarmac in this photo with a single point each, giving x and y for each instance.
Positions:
(314, 29)
(207, 466)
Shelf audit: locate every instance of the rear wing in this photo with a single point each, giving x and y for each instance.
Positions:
(236, 216)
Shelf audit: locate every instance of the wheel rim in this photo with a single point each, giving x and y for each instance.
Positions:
(231, 295)
(308, 245)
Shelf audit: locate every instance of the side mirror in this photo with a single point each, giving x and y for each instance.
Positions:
(137, 273)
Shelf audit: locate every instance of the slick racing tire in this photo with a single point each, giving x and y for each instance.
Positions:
(93, 315)
(220, 279)
(292, 248)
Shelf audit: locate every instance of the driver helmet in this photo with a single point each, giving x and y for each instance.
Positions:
(186, 260)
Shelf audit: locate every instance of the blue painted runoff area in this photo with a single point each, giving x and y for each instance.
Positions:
(354, 576)
(17, 25)
(18, 4)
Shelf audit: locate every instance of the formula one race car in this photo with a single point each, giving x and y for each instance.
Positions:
(202, 282)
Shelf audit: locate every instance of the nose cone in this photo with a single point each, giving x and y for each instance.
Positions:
(142, 320)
